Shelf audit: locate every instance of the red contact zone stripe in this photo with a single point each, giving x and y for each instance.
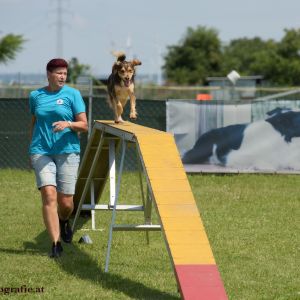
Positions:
(200, 282)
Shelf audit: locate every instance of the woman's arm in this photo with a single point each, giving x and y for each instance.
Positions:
(80, 124)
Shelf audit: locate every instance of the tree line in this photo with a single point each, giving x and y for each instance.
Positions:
(201, 54)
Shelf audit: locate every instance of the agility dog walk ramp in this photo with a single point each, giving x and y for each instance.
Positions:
(193, 262)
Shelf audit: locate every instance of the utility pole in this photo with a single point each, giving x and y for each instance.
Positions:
(59, 24)
(59, 30)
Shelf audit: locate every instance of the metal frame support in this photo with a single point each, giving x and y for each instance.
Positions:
(114, 207)
(112, 173)
(93, 205)
(145, 201)
(112, 182)
(114, 194)
(89, 179)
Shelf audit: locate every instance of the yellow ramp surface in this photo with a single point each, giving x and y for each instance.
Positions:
(187, 243)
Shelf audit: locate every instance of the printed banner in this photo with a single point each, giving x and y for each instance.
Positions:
(246, 137)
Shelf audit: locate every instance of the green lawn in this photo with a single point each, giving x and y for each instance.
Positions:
(252, 222)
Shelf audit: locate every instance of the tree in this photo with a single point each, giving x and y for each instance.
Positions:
(10, 45)
(270, 65)
(289, 50)
(289, 46)
(241, 54)
(197, 56)
(277, 62)
(75, 69)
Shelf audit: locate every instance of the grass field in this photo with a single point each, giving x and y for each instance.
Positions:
(252, 221)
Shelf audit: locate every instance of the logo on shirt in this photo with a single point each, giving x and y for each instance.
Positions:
(60, 101)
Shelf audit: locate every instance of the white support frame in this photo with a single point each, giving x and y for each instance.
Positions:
(114, 194)
(112, 173)
(115, 205)
(88, 180)
(93, 205)
(112, 189)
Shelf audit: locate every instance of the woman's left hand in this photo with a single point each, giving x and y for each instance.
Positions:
(60, 125)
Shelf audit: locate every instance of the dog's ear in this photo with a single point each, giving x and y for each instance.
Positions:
(136, 62)
(116, 67)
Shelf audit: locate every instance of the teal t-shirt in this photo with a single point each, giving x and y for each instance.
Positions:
(49, 107)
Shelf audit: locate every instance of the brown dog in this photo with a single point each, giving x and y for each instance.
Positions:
(120, 86)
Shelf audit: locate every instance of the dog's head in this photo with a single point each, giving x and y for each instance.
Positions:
(125, 70)
(286, 121)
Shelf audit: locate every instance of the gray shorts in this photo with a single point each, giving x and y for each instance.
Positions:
(57, 170)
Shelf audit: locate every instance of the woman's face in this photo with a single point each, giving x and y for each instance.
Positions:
(57, 78)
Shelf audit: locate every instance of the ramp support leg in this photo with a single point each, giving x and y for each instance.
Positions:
(115, 205)
(146, 202)
(112, 173)
(93, 205)
(88, 181)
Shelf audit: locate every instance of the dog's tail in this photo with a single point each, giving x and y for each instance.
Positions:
(120, 55)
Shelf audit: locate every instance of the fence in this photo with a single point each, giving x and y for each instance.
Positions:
(15, 120)
(15, 117)
(148, 91)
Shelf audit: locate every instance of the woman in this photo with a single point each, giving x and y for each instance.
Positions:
(58, 114)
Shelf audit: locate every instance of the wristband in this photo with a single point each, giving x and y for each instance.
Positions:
(70, 124)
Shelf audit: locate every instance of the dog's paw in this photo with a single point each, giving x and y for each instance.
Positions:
(133, 116)
(119, 120)
(133, 119)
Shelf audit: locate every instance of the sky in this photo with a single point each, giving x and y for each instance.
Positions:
(90, 29)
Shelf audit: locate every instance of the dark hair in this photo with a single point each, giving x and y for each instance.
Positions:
(56, 63)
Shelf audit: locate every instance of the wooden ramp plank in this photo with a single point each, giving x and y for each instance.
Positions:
(162, 173)
(178, 211)
(187, 243)
(167, 197)
(200, 282)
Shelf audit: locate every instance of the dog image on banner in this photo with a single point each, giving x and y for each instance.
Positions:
(270, 144)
